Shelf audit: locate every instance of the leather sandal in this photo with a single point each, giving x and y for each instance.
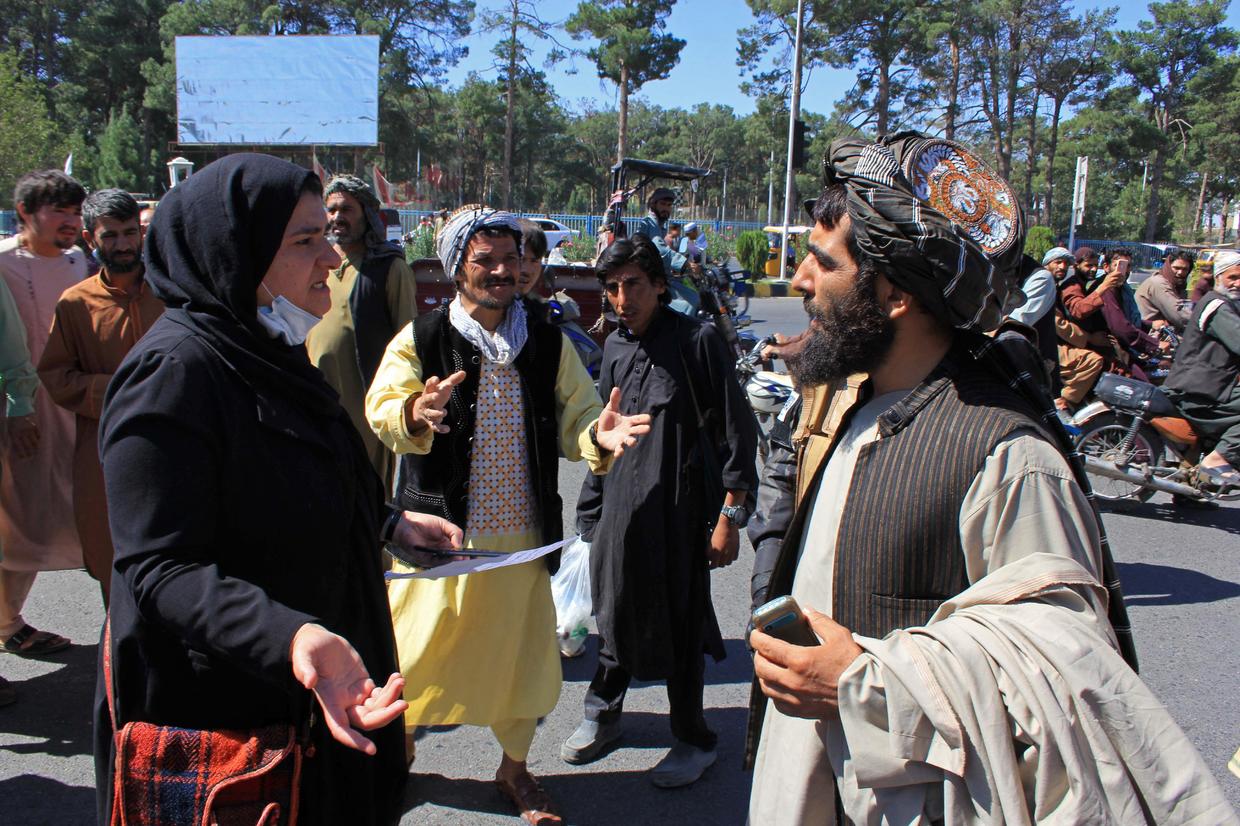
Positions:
(531, 800)
(29, 642)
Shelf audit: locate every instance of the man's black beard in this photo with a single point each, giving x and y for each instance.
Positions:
(484, 300)
(110, 264)
(348, 237)
(853, 335)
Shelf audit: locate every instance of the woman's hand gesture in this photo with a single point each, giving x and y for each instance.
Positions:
(326, 664)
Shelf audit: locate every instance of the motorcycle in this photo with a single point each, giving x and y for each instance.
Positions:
(1136, 443)
(767, 390)
(563, 312)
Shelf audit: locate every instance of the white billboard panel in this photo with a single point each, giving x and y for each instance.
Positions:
(278, 90)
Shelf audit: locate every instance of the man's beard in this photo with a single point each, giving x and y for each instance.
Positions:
(486, 301)
(346, 234)
(853, 335)
(119, 268)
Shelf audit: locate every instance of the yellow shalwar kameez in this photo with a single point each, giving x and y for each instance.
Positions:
(481, 649)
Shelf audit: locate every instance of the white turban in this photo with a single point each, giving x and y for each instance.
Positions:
(1054, 254)
(1225, 260)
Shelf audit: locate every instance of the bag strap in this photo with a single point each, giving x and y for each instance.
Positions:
(107, 672)
(697, 406)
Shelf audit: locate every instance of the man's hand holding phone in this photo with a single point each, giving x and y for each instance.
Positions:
(802, 679)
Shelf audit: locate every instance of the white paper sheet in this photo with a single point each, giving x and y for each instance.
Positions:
(478, 565)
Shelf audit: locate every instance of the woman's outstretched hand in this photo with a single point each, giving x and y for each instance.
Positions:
(326, 664)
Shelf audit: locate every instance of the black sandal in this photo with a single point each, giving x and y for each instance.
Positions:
(40, 644)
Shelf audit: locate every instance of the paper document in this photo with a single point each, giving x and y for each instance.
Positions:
(475, 566)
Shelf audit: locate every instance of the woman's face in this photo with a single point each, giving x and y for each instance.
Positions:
(299, 270)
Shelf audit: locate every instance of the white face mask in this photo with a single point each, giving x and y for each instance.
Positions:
(285, 320)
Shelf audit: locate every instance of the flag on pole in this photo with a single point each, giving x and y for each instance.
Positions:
(383, 189)
(318, 168)
(69, 164)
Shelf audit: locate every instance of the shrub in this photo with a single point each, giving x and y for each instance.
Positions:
(1038, 241)
(751, 251)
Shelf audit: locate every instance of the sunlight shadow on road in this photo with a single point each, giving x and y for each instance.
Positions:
(41, 801)
(1146, 584)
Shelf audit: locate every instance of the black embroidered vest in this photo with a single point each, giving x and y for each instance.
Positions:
(438, 482)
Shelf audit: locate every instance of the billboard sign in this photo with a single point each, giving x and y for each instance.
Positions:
(289, 90)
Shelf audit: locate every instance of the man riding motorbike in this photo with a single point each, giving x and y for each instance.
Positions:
(685, 297)
(1205, 380)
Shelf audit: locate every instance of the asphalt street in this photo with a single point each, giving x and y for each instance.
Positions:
(1180, 570)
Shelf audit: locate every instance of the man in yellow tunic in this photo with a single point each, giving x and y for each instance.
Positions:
(373, 295)
(480, 439)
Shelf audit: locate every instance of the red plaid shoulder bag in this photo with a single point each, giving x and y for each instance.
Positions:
(196, 777)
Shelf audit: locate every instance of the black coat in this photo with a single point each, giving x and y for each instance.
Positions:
(649, 519)
(238, 516)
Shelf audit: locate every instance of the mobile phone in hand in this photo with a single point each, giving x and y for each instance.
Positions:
(782, 618)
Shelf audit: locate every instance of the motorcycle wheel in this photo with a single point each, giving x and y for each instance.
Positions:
(1101, 438)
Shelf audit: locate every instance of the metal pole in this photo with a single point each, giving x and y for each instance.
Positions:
(723, 202)
(1076, 194)
(770, 191)
(794, 111)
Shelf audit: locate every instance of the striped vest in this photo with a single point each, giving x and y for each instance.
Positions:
(898, 551)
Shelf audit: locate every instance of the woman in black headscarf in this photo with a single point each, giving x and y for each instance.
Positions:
(247, 574)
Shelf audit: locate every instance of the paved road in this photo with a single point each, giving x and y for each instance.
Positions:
(1181, 572)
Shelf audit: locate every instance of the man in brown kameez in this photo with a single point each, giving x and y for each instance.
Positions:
(96, 324)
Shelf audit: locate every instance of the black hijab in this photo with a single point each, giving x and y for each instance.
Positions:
(211, 242)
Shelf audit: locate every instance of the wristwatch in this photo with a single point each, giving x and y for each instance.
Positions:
(736, 514)
(387, 531)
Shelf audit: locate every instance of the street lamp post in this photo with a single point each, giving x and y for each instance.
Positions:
(794, 112)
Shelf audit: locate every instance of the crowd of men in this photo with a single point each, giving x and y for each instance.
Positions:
(958, 644)
(1091, 321)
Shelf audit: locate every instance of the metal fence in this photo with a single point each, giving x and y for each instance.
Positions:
(1144, 256)
(588, 225)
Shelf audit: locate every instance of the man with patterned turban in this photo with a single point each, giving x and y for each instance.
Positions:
(968, 604)
(480, 401)
(374, 294)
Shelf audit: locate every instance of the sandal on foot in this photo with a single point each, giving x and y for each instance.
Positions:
(29, 642)
(531, 800)
(1220, 477)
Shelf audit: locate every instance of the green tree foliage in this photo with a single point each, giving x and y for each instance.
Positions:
(751, 251)
(1038, 241)
(120, 160)
(633, 46)
(1029, 84)
(28, 136)
(1162, 58)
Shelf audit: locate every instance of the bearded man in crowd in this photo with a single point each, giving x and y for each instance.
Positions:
(374, 294)
(968, 599)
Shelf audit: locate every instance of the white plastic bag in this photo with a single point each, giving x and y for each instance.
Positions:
(570, 588)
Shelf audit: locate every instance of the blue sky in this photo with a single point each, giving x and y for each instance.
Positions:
(707, 70)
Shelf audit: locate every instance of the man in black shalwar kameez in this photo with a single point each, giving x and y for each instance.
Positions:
(669, 510)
